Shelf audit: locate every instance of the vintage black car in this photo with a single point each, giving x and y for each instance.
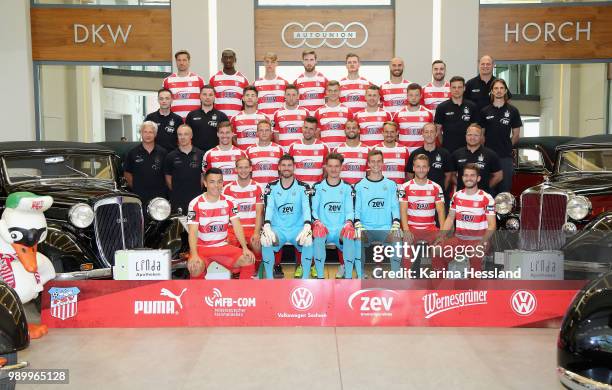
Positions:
(584, 347)
(577, 191)
(93, 214)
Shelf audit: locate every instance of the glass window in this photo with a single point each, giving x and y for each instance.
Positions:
(530, 158)
(135, 3)
(522, 79)
(298, 3)
(58, 166)
(586, 161)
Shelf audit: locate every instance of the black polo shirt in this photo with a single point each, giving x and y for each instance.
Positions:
(167, 125)
(439, 163)
(147, 171)
(186, 172)
(478, 91)
(485, 158)
(204, 126)
(455, 119)
(498, 124)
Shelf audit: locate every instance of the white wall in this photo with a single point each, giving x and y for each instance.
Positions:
(17, 99)
(236, 30)
(190, 31)
(413, 38)
(459, 37)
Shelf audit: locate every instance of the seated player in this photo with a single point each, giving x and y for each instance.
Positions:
(286, 217)
(332, 214)
(208, 217)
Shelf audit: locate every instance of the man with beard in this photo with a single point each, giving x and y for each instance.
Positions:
(229, 85)
(438, 90)
(332, 117)
(264, 155)
(311, 84)
(393, 92)
(394, 154)
(411, 119)
(309, 154)
(167, 121)
(355, 154)
(224, 155)
(289, 119)
(184, 85)
(204, 121)
(353, 87)
(371, 119)
(287, 218)
(245, 122)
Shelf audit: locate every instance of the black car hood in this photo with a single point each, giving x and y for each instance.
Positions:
(71, 192)
(581, 183)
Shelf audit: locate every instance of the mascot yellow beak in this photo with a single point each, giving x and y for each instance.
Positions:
(27, 256)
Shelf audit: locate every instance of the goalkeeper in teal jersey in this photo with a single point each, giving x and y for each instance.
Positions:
(377, 213)
(287, 217)
(332, 215)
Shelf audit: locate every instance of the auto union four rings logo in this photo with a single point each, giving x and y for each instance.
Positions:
(332, 35)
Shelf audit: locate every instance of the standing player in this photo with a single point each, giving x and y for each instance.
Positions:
(394, 154)
(289, 119)
(355, 154)
(270, 88)
(264, 155)
(353, 87)
(376, 210)
(208, 218)
(412, 118)
(287, 218)
(309, 154)
(393, 92)
(248, 198)
(332, 214)
(371, 119)
(437, 90)
(332, 117)
(245, 122)
(224, 155)
(184, 85)
(311, 84)
(229, 85)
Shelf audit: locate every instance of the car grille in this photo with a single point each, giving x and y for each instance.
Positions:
(542, 217)
(118, 225)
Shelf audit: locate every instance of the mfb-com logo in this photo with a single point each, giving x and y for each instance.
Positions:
(523, 302)
(302, 298)
(218, 300)
(169, 306)
(374, 302)
(64, 302)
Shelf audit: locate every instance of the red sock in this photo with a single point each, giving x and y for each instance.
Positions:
(340, 257)
(278, 256)
(298, 258)
(247, 271)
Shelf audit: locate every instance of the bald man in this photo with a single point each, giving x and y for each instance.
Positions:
(393, 92)
(478, 89)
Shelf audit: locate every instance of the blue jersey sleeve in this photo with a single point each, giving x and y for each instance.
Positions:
(316, 200)
(306, 212)
(269, 203)
(357, 200)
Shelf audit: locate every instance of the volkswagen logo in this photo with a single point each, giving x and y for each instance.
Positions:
(523, 302)
(315, 35)
(302, 298)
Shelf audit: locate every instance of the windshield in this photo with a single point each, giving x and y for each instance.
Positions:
(591, 160)
(58, 166)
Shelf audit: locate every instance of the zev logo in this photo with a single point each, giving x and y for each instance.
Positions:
(302, 298)
(333, 207)
(286, 208)
(374, 302)
(523, 302)
(377, 203)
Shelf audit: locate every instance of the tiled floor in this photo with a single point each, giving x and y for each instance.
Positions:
(299, 358)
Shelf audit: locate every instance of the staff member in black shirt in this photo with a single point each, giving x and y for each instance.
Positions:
(478, 89)
(454, 115)
(167, 121)
(144, 166)
(205, 121)
(483, 157)
(183, 169)
(440, 164)
(501, 123)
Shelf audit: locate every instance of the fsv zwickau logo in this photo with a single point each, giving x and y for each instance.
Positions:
(64, 302)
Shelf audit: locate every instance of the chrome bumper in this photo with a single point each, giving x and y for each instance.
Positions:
(101, 273)
(577, 382)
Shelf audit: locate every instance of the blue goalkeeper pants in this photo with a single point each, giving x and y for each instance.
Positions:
(286, 237)
(348, 251)
(371, 237)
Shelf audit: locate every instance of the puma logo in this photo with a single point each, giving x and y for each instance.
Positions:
(167, 293)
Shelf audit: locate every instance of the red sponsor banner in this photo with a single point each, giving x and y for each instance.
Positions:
(181, 303)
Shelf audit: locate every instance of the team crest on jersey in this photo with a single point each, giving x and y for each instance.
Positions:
(171, 123)
(481, 158)
(507, 114)
(234, 210)
(214, 117)
(438, 158)
(401, 193)
(191, 216)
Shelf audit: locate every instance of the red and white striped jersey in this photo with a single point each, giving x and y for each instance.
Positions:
(309, 160)
(394, 96)
(421, 199)
(432, 95)
(245, 127)
(355, 162)
(311, 91)
(245, 198)
(371, 126)
(228, 92)
(410, 126)
(264, 160)
(288, 125)
(212, 219)
(270, 95)
(471, 213)
(185, 92)
(331, 124)
(352, 93)
(395, 159)
(224, 160)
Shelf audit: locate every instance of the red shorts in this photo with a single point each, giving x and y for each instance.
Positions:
(226, 255)
(248, 233)
(429, 234)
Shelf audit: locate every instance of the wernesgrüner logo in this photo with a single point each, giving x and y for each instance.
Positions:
(434, 303)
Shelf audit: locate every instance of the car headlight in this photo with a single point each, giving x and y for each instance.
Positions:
(159, 209)
(578, 207)
(81, 215)
(504, 203)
